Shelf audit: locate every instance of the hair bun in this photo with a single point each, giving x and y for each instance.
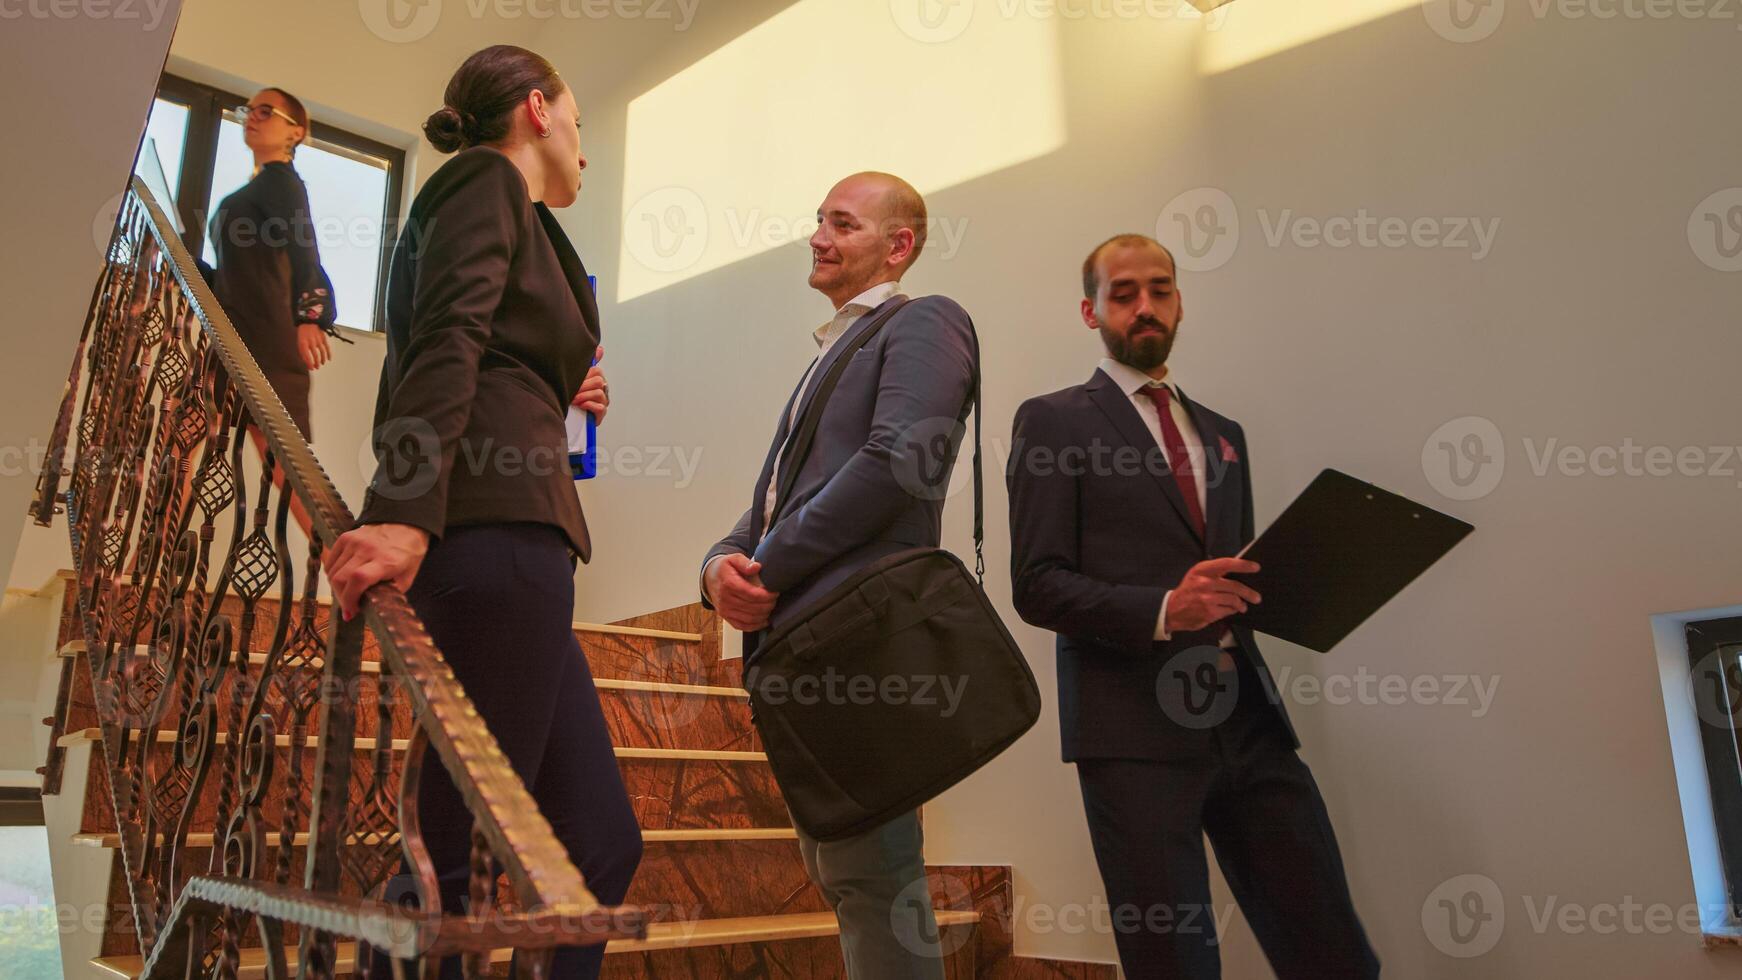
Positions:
(449, 129)
(478, 106)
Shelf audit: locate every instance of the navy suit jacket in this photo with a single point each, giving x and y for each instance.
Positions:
(862, 493)
(1099, 533)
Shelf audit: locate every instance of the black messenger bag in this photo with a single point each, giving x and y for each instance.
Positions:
(895, 685)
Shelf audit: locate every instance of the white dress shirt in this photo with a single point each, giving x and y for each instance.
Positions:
(1133, 382)
(825, 336)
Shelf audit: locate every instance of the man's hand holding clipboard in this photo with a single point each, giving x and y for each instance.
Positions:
(1340, 551)
(1207, 595)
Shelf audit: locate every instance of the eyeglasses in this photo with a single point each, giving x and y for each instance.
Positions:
(265, 111)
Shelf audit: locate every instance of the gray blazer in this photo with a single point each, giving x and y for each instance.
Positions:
(878, 473)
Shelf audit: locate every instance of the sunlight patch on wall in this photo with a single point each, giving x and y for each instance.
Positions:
(730, 157)
(1255, 29)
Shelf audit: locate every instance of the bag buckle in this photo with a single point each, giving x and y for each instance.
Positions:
(875, 592)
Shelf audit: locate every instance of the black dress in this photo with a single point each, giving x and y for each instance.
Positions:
(269, 278)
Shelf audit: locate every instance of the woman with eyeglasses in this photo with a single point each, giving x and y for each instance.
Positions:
(269, 277)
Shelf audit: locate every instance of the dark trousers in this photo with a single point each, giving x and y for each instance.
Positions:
(1259, 805)
(498, 600)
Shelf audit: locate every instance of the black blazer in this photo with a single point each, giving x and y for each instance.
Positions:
(491, 328)
(1099, 534)
(269, 278)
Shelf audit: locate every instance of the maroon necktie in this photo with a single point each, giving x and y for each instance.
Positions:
(1179, 460)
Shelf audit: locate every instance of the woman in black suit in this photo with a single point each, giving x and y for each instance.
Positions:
(269, 277)
(491, 327)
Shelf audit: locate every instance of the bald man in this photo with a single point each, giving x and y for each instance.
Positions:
(858, 496)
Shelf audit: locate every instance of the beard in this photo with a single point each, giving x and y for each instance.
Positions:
(1145, 349)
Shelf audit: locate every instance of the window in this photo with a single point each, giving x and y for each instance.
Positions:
(1715, 653)
(347, 193)
(165, 138)
(195, 136)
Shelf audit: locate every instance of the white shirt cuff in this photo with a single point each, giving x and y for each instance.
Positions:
(710, 564)
(1161, 632)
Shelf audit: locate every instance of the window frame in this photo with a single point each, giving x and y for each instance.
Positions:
(1715, 664)
(21, 806)
(206, 105)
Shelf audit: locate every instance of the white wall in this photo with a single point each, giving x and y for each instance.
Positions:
(29, 674)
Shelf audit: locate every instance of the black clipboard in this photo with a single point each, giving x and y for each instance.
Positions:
(1340, 551)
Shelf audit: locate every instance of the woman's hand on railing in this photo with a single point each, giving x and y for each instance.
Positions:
(311, 342)
(373, 553)
(595, 394)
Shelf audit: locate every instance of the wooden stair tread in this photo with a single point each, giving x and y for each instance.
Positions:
(608, 629)
(753, 929)
(113, 841)
(611, 628)
(363, 743)
(704, 755)
(661, 687)
(718, 834)
(660, 936)
(76, 647)
(367, 744)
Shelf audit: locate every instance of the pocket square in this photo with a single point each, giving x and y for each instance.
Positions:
(1229, 455)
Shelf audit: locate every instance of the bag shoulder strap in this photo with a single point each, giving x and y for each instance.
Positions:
(805, 435)
(799, 446)
(979, 479)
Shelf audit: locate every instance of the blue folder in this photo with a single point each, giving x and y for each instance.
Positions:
(584, 438)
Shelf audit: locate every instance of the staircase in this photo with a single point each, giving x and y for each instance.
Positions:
(722, 881)
(246, 761)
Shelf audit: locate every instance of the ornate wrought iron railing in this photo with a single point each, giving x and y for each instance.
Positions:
(235, 707)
